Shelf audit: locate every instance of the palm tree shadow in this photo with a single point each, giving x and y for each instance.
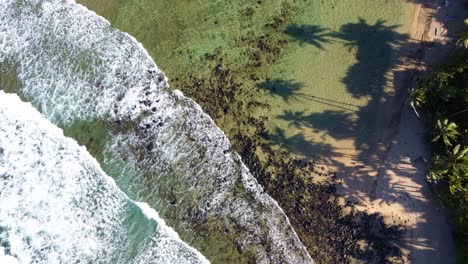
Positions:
(375, 47)
(289, 90)
(286, 89)
(309, 34)
(298, 143)
(337, 124)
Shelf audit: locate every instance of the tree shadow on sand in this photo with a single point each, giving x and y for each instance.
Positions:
(443, 14)
(375, 46)
(361, 235)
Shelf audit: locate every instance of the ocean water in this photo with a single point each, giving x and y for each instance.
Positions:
(327, 86)
(58, 206)
(159, 147)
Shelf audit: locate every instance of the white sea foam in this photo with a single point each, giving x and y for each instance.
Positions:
(7, 259)
(58, 206)
(74, 66)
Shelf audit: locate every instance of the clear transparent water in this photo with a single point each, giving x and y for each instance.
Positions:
(158, 145)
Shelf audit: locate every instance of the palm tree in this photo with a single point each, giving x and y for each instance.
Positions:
(419, 98)
(445, 130)
(453, 165)
(464, 36)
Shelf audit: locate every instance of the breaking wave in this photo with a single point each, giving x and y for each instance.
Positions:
(159, 146)
(58, 206)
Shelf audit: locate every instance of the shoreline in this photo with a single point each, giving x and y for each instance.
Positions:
(390, 180)
(210, 86)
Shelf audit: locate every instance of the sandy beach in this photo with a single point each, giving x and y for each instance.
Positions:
(390, 178)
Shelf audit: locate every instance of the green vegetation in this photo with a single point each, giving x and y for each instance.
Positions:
(464, 36)
(444, 98)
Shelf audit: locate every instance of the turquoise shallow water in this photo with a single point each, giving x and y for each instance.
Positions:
(58, 206)
(327, 86)
(158, 145)
(328, 90)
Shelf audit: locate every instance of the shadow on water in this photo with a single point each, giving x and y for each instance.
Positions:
(288, 90)
(298, 143)
(377, 48)
(374, 46)
(309, 34)
(338, 124)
